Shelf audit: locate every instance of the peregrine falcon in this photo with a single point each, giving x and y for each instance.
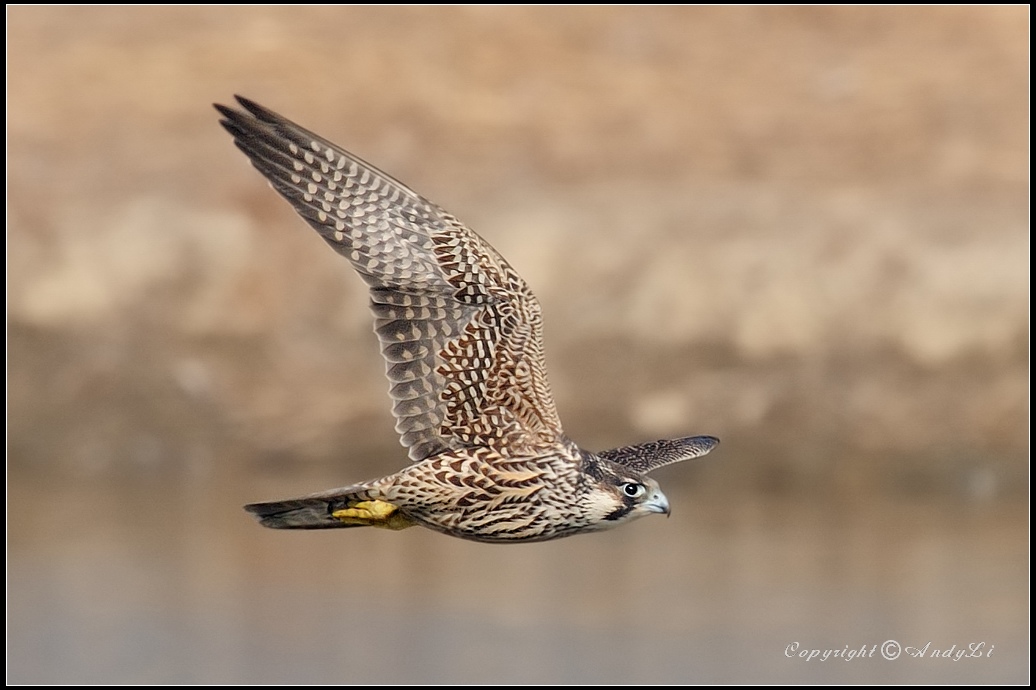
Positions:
(460, 332)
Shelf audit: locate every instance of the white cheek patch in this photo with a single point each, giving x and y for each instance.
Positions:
(603, 502)
(606, 509)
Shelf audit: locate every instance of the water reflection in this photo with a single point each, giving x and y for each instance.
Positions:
(156, 582)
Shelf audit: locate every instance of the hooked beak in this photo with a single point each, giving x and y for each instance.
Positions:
(658, 503)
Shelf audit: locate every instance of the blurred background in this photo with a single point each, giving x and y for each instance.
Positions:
(803, 230)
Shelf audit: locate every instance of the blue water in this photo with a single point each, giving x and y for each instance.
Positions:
(156, 582)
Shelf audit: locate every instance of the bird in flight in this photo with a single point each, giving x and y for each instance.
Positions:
(461, 335)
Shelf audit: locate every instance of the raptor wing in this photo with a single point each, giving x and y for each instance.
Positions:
(648, 457)
(459, 329)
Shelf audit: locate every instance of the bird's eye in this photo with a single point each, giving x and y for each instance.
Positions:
(633, 490)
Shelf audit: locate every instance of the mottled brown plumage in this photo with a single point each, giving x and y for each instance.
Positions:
(461, 335)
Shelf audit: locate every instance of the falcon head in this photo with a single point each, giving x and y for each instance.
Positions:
(621, 490)
(617, 496)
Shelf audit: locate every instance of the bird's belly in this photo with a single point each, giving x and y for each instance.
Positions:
(505, 516)
(474, 497)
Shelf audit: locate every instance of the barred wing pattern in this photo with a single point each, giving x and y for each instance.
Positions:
(648, 457)
(459, 329)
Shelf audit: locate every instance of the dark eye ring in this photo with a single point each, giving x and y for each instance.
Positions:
(633, 489)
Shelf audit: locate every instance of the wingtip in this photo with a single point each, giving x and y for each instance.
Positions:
(257, 111)
(229, 117)
(703, 443)
(251, 108)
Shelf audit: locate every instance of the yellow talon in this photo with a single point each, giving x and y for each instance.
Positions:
(373, 513)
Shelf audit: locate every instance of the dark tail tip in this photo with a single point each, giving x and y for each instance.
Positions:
(295, 514)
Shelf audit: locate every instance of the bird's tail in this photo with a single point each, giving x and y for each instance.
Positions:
(352, 506)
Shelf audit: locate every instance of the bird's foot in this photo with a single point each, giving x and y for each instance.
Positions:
(375, 514)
